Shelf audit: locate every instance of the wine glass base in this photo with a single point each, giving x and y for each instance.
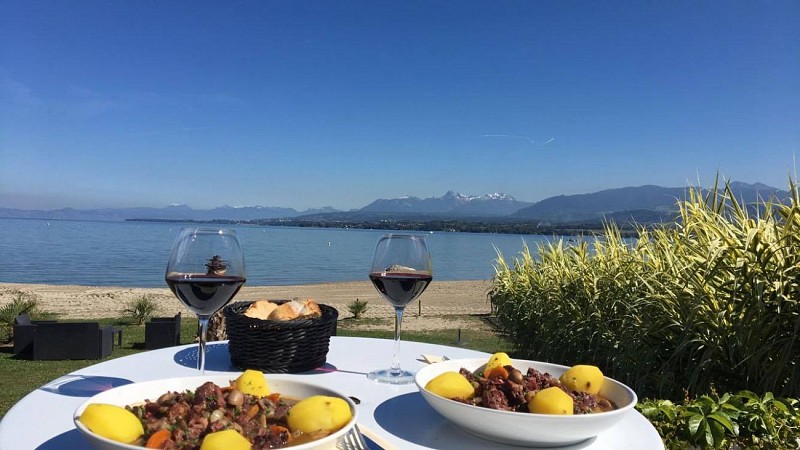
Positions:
(389, 376)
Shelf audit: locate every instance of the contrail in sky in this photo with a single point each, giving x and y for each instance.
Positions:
(517, 136)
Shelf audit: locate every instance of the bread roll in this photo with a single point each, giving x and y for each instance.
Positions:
(296, 308)
(260, 309)
(310, 309)
(287, 311)
(293, 309)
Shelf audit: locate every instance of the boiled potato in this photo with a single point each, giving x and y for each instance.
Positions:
(112, 422)
(252, 382)
(225, 440)
(318, 412)
(583, 378)
(552, 400)
(451, 385)
(499, 359)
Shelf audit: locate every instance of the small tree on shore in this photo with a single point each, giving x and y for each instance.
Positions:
(141, 309)
(21, 303)
(357, 308)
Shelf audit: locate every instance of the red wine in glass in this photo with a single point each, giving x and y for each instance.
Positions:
(205, 271)
(204, 294)
(400, 289)
(400, 271)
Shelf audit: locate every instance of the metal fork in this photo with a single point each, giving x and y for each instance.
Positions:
(353, 440)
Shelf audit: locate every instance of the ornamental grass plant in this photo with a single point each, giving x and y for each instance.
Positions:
(141, 309)
(21, 303)
(710, 302)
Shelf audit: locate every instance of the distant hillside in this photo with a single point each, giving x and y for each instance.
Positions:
(172, 212)
(451, 203)
(644, 203)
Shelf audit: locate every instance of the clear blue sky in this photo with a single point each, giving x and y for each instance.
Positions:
(312, 103)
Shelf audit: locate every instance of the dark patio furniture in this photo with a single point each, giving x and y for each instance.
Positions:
(53, 340)
(117, 331)
(24, 330)
(162, 332)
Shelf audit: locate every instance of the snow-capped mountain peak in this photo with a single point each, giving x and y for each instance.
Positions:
(451, 202)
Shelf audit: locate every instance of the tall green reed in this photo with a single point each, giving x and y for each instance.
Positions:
(712, 300)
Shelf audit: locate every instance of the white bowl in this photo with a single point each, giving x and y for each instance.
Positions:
(525, 429)
(139, 392)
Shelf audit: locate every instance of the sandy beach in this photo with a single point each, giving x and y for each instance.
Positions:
(443, 304)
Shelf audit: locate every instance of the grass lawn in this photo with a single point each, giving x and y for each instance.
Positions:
(18, 377)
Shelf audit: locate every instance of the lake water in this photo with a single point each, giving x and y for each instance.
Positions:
(135, 253)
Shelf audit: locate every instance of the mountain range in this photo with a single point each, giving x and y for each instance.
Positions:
(451, 203)
(171, 212)
(644, 204)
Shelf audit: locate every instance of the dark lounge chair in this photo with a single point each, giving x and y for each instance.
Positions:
(52, 340)
(162, 332)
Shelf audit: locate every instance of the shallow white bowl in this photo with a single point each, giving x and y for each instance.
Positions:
(525, 429)
(139, 392)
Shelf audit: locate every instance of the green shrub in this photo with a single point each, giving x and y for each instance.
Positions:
(141, 309)
(357, 308)
(741, 420)
(21, 303)
(713, 300)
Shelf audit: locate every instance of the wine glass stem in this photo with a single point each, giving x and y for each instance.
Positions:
(398, 324)
(201, 351)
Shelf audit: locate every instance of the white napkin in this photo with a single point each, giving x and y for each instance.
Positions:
(430, 359)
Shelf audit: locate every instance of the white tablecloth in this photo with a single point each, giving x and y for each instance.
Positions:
(42, 420)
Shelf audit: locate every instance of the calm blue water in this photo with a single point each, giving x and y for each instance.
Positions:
(135, 254)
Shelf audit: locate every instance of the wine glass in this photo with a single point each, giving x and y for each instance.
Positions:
(205, 271)
(401, 270)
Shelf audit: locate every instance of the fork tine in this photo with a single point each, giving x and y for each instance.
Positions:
(353, 440)
(362, 444)
(344, 442)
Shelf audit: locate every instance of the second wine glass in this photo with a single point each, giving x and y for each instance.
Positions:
(401, 270)
(205, 271)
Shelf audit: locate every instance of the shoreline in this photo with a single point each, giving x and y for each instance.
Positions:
(440, 305)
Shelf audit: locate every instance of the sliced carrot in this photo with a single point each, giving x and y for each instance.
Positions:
(274, 397)
(277, 429)
(498, 372)
(158, 438)
(252, 411)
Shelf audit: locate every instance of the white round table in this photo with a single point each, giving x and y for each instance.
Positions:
(398, 415)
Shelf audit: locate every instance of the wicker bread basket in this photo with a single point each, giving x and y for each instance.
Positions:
(276, 346)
